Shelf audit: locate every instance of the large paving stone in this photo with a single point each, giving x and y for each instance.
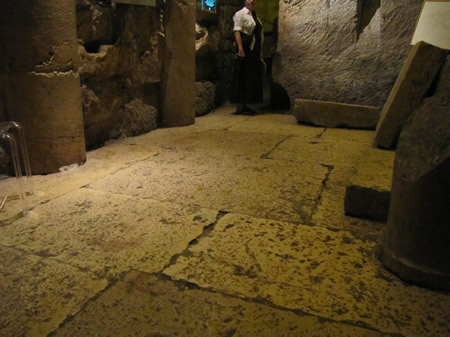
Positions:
(368, 192)
(420, 69)
(333, 115)
(224, 142)
(144, 305)
(295, 149)
(356, 136)
(326, 273)
(38, 294)
(108, 234)
(229, 183)
(330, 213)
(280, 124)
(100, 163)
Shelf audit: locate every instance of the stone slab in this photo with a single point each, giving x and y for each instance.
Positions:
(342, 154)
(333, 115)
(368, 192)
(108, 234)
(100, 163)
(281, 124)
(223, 182)
(322, 272)
(330, 214)
(415, 78)
(345, 135)
(226, 142)
(146, 305)
(37, 294)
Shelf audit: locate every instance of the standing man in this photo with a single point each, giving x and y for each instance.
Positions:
(247, 86)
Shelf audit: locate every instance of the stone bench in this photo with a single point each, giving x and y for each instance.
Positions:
(368, 193)
(333, 115)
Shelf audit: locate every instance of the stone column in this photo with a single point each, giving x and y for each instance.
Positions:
(41, 84)
(178, 68)
(416, 243)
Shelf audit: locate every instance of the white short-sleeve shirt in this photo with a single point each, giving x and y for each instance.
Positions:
(244, 22)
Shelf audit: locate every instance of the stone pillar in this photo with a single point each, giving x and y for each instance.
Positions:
(178, 68)
(38, 62)
(416, 243)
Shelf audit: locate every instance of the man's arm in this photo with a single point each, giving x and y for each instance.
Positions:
(238, 38)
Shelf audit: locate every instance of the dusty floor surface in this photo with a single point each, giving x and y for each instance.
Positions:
(231, 227)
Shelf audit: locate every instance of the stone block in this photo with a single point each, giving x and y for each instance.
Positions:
(138, 118)
(415, 79)
(204, 99)
(416, 241)
(333, 115)
(368, 192)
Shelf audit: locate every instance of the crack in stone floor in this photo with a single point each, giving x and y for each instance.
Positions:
(191, 232)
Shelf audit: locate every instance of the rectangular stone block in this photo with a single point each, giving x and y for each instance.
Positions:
(333, 115)
(415, 78)
(368, 192)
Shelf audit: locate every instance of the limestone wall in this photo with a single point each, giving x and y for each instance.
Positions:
(348, 51)
(120, 66)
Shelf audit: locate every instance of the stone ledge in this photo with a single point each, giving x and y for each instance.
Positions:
(333, 115)
(368, 192)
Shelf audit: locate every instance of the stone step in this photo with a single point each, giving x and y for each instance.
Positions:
(333, 115)
(368, 193)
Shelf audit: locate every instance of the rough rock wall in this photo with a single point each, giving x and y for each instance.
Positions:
(120, 67)
(348, 51)
(214, 51)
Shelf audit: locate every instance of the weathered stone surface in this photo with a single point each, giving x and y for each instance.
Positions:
(285, 125)
(207, 48)
(178, 68)
(227, 183)
(416, 244)
(145, 305)
(368, 192)
(332, 154)
(51, 117)
(328, 273)
(115, 72)
(204, 99)
(237, 256)
(40, 64)
(108, 234)
(37, 294)
(324, 52)
(330, 214)
(99, 164)
(40, 36)
(333, 115)
(94, 24)
(419, 71)
(138, 118)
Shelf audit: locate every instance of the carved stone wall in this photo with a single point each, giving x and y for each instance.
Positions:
(120, 66)
(348, 51)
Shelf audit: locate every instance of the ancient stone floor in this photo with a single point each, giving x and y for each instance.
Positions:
(231, 227)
